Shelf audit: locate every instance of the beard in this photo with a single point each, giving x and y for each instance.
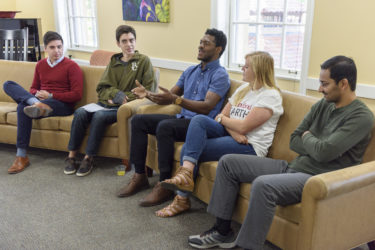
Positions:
(206, 58)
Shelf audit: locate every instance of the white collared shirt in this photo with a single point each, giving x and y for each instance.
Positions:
(54, 63)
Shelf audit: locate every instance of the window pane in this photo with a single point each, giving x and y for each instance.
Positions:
(271, 10)
(283, 40)
(82, 21)
(245, 41)
(292, 58)
(296, 11)
(246, 10)
(82, 8)
(270, 40)
(84, 32)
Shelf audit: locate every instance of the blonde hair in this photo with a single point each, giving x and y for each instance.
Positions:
(263, 68)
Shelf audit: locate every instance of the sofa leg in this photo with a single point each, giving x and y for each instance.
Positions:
(149, 171)
(125, 162)
(371, 245)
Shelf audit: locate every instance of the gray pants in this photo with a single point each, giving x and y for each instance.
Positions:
(273, 183)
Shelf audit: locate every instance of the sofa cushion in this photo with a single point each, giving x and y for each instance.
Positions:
(50, 123)
(208, 170)
(5, 108)
(177, 150)
(66, 123)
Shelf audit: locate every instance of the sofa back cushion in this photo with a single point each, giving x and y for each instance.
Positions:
(369, 154)
(19, 72)
(234, 84)
(296, 107)
(91, 77)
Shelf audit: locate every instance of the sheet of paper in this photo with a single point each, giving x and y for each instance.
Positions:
(93, 107)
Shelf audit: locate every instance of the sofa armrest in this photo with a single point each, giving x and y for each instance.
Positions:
(171, 109)
(124, 113)
(339, 182)
(337, 209)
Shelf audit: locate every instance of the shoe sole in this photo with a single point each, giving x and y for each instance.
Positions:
(34, 112)
(221, 245)
(70, 172)
(83, 174)
(19, 171)
(174, 187)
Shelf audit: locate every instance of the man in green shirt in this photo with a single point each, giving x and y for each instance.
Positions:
(114, 89)
(333, 135)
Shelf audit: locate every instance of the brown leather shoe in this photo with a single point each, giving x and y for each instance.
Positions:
(157, 196)
(38, 109)
(19, 165)
(136, 184)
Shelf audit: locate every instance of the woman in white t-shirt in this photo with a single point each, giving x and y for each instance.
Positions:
(246, 125)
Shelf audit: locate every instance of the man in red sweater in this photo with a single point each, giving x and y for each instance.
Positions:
(57, 86)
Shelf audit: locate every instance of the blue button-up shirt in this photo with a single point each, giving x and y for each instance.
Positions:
(196, 82)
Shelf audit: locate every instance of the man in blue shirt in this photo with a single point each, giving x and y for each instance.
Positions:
(203, 88)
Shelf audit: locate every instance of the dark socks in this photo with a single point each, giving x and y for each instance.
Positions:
(222, 226)
(164, 175)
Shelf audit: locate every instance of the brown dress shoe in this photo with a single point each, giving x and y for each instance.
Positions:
(157, 196)
(38, 109)
(136, 184)
(19, 165)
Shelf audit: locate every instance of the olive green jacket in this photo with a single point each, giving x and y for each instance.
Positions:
(119, 77)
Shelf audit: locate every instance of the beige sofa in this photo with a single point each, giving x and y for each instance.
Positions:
(54, 132)
(337, 209)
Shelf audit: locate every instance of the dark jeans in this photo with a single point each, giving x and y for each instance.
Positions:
(168, 130)
(207, 140)
(98, 120)
(24, 123)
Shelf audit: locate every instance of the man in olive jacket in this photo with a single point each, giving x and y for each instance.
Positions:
(114, 89)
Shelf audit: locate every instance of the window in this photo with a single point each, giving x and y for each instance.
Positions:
(77, 23)
(275, 26)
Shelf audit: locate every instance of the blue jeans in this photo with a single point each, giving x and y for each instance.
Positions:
(207, 140)
(99, 121)
(24, 123)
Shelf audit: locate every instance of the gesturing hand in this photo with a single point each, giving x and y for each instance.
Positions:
(163, 98)
(139, 91)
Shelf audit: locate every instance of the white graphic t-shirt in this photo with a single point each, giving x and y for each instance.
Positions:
(260, 138)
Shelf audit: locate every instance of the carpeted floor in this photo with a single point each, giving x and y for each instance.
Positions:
(42, 208)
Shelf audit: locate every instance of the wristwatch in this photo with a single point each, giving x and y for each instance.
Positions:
(178, 100)
(219, 119)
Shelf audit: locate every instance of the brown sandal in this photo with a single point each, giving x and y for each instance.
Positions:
(183, 180)
(179, 205)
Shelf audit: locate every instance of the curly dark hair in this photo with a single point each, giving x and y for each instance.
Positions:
(220, 38)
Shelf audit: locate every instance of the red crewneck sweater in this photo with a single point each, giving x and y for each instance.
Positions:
(64, 81)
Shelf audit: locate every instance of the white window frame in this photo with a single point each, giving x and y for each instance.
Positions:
(221, 11)
(65, 26)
